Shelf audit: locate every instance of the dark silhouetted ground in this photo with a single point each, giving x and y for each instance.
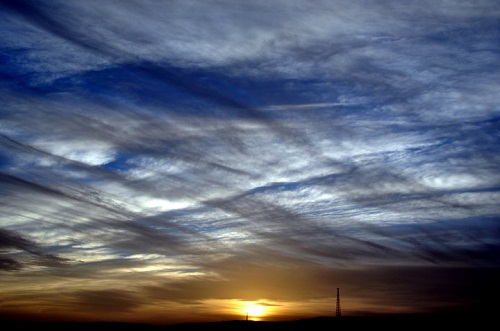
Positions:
(385, 323)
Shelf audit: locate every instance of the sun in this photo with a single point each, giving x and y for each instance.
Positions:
(254, 310)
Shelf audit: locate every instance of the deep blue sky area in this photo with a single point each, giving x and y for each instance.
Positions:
(232, 157)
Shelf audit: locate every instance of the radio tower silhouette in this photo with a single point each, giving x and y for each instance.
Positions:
(337, 311)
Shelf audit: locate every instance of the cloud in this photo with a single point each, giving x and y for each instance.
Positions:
(105, 300)
(273, 35)
(18, 251)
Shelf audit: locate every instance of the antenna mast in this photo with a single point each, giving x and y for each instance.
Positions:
(337, 311)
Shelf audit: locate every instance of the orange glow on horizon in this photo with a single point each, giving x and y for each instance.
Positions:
(256, 311)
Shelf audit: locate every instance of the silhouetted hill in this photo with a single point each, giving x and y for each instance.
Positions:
(385, 323)
(392, 322)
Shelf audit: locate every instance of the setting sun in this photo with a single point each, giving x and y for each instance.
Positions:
(254, 310)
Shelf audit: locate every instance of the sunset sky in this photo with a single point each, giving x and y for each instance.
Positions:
(195, 160)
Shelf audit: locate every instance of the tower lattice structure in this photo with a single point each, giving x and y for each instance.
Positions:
(338, 312)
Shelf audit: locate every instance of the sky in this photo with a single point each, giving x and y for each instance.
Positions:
(172, 161)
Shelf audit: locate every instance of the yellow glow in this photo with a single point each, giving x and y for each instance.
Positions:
(254, 310)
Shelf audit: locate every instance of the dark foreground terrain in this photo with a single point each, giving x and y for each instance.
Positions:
(386, 323)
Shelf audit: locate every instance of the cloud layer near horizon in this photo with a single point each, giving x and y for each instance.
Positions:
(190, 147)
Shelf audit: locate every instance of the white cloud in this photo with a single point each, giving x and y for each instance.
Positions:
(89, 152)
(291, 37)
(153, 206)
